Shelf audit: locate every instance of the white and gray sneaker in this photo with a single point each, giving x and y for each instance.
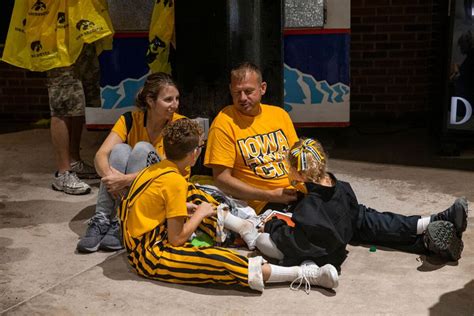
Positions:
(69, 183)
(325, 276)
(83, 170)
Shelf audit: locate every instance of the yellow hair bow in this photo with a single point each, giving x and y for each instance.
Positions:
(307, 147)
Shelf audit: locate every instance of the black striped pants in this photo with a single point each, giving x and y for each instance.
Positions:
(153, 257)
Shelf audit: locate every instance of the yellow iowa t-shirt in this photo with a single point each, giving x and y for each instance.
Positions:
(253, 146)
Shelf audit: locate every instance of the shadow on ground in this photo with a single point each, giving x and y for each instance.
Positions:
(459, 302)
(78, 223)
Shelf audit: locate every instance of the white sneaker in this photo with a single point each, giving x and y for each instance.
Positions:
(69, 183)
(311, 274)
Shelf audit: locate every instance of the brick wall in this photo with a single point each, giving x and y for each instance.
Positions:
(395, 65)
(23, 95)
(396, 69)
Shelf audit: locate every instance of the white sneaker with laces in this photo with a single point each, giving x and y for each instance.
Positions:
(69, 183)
(325, 276)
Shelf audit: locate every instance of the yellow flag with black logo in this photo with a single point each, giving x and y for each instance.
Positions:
(14, 51)
(161, 36)
(46, 34)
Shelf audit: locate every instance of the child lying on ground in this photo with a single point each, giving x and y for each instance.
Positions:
(157, 223)
(329, 217)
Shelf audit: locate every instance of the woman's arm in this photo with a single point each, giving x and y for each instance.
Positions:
(101, 160)
(180, 231)
(114, 180)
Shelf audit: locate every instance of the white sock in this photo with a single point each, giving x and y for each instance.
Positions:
(245, 228)
(283, 274)
(422, 224)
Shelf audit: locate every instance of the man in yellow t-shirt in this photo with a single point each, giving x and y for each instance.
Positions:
(247, 144)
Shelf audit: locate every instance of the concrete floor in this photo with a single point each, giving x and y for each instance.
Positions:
(41, 273)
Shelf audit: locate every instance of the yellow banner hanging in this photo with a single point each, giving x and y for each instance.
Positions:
(161, 36)
(46, 34)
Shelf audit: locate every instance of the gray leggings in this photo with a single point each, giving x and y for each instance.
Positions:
(126, 160)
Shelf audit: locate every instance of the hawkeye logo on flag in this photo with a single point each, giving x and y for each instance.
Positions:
(265, 154)
(61, 17)
(84, 25)
(154, 49)
(87, 27)
(61, 22)
(39, 8)
(21, 29)
(36, 46)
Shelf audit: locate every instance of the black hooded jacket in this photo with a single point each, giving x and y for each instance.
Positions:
(324, 224)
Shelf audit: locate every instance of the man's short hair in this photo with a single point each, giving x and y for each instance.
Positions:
(239, 71)
(181, 137)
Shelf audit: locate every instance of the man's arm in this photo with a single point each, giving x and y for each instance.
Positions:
(224, 179)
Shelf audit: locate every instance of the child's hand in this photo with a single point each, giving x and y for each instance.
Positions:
(191, 208)
(205, 210)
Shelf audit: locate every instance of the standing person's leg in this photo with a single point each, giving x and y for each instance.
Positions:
(60, 139)
(66, 100)
(86, 69)
(103, 219)
(75, 135)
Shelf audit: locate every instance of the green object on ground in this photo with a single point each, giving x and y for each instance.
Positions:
(373, 249)
(202, 240)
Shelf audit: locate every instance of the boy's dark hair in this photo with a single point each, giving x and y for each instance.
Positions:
(181, 137)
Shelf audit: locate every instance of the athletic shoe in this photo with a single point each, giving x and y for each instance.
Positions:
(456, 214)
(112, 240)
(69, 183)
(94, 234)
(441, 239)
(311, 274)
(83, 170)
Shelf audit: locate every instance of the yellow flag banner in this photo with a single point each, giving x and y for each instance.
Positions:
(46, 34)
(161, 36)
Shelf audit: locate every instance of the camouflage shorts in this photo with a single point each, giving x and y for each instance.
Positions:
(72, 88)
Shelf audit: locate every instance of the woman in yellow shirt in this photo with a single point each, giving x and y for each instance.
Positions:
(135, 142)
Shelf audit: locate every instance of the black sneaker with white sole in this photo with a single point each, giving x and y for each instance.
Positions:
(441, 239)
(456, 214)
